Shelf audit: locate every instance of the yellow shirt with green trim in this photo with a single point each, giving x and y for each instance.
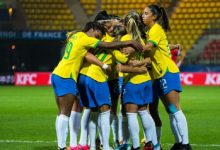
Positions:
(134, 77)
(106, 56)
(160, 53)
(75, 51)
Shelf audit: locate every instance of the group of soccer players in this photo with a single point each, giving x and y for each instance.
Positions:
(119, 59)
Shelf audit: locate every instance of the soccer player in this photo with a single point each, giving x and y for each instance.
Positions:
(137, 89)
(164, 70)
(64, 76)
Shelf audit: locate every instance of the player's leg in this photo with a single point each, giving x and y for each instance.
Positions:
(65, 102)
(92, 126)
(84, 127)
(153, 108)
(74, 123)
(104, 125)
(133, 126)
(146, 119)
(171, 97)
(149, 128)
(65, 91)
(114, 87)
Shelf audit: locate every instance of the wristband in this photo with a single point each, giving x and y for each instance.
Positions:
(104, 66)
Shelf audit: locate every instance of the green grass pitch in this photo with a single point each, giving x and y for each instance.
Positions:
(27, 116)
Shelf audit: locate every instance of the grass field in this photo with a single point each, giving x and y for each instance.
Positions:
(27, 116)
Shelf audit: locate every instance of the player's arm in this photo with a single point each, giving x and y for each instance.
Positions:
(136, 63)
(130, 69)
(93, 60)
(175, 46)
(117, 45)
(182, 57)
(147, 47)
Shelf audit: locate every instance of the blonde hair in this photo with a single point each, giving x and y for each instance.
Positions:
(132, 24)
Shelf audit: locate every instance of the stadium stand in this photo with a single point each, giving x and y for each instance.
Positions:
(48, 15)
(212, 52)
(189, 20)
(121, 7)
(89, 6)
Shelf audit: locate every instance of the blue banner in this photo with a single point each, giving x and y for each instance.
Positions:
(33, 35)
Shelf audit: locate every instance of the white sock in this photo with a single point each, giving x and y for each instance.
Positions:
(92, 129)
(114, 126)
(133, 128)
(173, 125)
(84, 127)
(125, 130)
(120, 134)
(159, 133)
(99, 132)
(62, 130)
(56, 122)
(182, 126)
(104, 126)
(149, 126)
(74, 125)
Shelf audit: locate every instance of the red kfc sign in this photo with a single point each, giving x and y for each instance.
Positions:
(187, 78)
(32, 78)
(200, 78)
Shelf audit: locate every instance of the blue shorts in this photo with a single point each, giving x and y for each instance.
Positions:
(63, 86)
(115, 87)
(139, 94)
(92, 93)
(169, 82)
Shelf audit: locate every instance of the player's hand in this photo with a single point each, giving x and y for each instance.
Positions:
(137, 45)
(147, 60)
(109, 69)
(128, 50)
(142, 69)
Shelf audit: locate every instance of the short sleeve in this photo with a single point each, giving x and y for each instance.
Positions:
(154, 36)
(120, 57)
(90, 42)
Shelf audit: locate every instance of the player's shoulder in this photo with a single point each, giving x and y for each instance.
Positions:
(126, 37)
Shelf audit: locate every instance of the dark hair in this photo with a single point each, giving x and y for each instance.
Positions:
(112, 16)
(102, 16)
(94, 26)
(161, 16)
(119, 30)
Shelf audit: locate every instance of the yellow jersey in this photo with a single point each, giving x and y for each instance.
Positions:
(160, 53)
(75, 51)
(135, 78)
(106, 56)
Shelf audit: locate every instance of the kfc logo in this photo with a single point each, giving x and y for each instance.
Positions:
(186, 79)
(25, 78)
(212, 79)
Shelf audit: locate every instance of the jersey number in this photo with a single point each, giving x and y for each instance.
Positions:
(68, 50)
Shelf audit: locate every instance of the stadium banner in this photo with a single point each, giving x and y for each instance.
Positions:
(6, 79)
(187, 78)
(32, 78)
(33, 35)
(200, 78)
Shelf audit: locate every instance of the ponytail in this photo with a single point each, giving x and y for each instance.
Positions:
(164, 20)
(134, 25)
(161, 16)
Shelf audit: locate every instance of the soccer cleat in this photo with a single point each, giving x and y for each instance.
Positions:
(123, 147)
(185, 147)
(148, 146)
(83, 147)
(176, 146)
(138, 148)
(74, 148)
(62, 148)
(143, 141)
